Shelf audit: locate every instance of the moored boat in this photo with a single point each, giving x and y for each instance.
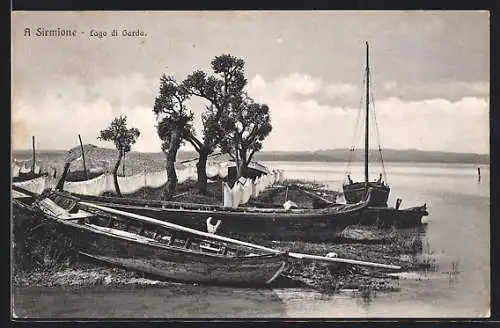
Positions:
(160, 248)
(378, 211)
(323, 224)
(389, 217)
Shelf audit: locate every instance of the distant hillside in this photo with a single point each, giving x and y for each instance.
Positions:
(329, 155)
(389, 155)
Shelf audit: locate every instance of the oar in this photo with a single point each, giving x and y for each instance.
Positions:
(341, 260)
(238, 242)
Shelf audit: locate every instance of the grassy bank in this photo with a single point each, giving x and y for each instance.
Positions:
(274, 196)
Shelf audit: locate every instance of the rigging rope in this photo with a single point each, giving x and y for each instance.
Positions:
(356, 132)
(377, 133)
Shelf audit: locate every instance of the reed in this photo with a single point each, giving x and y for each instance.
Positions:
(38, 245)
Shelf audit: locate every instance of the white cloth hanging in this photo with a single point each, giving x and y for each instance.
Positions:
(36, 169)
(192, 172)
(15, 170)
(34, 185)
(109, 185)
(157, 179)
(262, 184)
(281, 175)
(227, 195)
(131, 184)
(50, 182)
(237, 194)
(253, 190)
(257, 186)
(247, 191)
(223, 170)
(24, 168)
(182, 175)
(212, 170)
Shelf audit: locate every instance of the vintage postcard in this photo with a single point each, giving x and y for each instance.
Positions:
(250, 164)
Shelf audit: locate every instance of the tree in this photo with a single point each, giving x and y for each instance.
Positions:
(248, 124)
(174, 125)
(221, 91)
(123, 139)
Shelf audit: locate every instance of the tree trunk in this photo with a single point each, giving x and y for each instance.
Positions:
(123, 165)
(201, 168)
(241, 164)
(115, 173)
(240, 169)
(171, 185)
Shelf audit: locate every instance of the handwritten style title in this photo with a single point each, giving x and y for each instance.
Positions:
(92, 33)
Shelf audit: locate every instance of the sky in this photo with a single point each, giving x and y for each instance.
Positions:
(429, 74)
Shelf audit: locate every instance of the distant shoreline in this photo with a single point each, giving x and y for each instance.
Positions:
(329, 156)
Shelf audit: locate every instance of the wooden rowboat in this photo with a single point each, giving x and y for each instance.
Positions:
(160, 248)
(165, 249)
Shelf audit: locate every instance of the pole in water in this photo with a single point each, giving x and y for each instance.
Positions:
(478, 174)
(33, 156)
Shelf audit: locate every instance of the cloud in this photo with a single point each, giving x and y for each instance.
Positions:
(130, 90)
(294, 84)
(65, 111)
(451, 90)
(306, 112)
(307, 123)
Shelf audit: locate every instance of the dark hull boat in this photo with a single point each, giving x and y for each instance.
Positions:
(195, 216)
(324, 224)
(389, 217)
(276, 224)
(356, 191)
(378, 212)
(160, 248)
(22, 208)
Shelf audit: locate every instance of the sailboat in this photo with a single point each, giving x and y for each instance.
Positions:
(354, 191)
(378, 210)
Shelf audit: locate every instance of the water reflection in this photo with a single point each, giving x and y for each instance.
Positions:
(169, 301)
(366, 295)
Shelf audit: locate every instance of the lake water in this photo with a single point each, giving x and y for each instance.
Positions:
(457, 238)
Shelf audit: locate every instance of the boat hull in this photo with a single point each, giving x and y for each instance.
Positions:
(259, 222)
(355, 192)
(387, 217)
(316, 226)
(22, 211)
(170, 262)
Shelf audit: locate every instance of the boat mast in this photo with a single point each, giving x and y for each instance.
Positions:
(367, 119)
